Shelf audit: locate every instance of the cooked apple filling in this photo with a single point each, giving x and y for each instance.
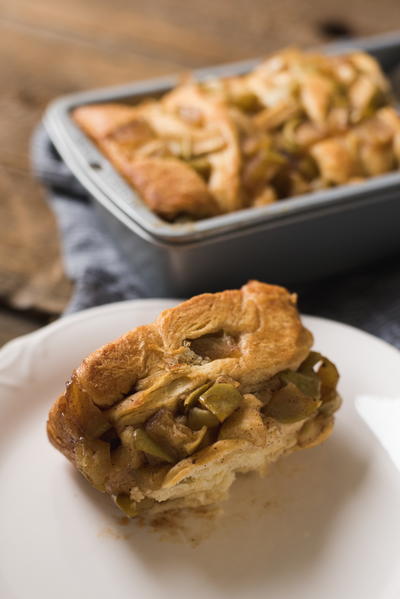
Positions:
(215, 411)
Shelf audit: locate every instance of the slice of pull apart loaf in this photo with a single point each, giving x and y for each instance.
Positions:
(166, 416)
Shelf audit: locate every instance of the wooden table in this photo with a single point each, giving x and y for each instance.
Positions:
(50, 48)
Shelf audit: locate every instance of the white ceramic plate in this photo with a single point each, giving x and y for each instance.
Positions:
(324, 525)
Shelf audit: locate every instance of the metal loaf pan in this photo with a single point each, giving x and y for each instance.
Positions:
(292, 241)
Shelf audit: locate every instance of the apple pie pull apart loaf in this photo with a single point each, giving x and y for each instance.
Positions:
(297, 123)
(164, 417)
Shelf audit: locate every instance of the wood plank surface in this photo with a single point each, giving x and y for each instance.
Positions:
(14, 324)
(50, 48)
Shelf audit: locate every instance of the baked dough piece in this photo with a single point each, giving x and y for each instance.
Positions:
(127, 136)
(298, 122)
(167, 415)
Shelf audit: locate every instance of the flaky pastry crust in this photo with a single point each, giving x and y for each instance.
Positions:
(149, 380)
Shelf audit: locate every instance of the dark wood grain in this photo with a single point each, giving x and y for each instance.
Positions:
(13, 325)
(50, 48)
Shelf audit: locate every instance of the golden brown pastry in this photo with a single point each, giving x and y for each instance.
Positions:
(169, 186)
(298, 122)
(166, 416)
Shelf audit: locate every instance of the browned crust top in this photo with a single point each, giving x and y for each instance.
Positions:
(151, 366)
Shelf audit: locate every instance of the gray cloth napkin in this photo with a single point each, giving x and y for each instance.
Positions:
(368, 298)
(92, 261)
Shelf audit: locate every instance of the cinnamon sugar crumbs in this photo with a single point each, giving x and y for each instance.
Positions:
(192, 525)
(112, 533)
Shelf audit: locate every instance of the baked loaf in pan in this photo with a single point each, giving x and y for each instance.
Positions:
(297, 123)
(164, 417)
